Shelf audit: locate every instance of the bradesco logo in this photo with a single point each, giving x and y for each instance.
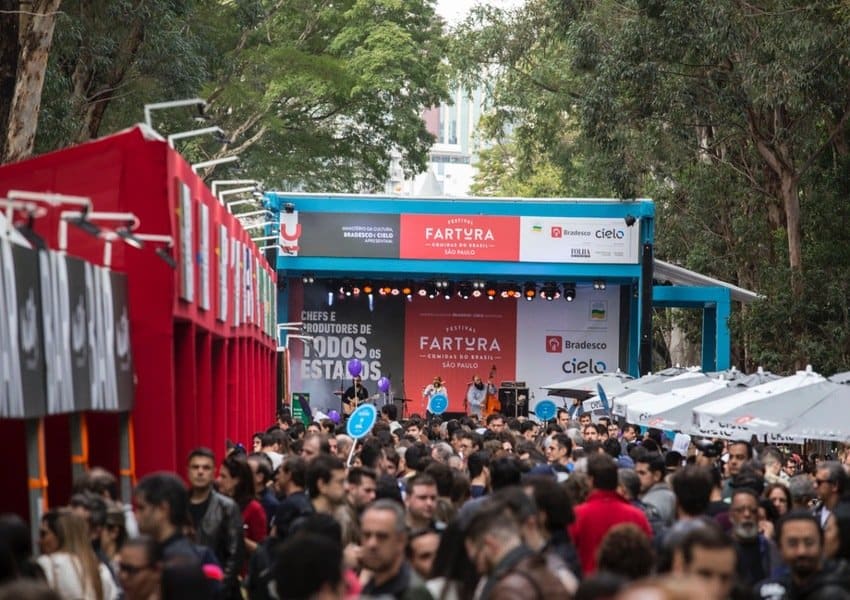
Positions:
(576, 366)
(609, 234)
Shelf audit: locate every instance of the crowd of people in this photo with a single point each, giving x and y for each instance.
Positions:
(451, 509)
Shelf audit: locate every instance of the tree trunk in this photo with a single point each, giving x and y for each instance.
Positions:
(32, 64)
(791, 203)
(9, 25)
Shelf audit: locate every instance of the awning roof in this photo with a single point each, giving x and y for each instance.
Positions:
(664, 271)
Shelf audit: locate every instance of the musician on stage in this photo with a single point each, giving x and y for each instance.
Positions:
(435, 387)
(476, 395)
(353, 396)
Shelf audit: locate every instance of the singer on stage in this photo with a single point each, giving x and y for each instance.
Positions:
(434, 387)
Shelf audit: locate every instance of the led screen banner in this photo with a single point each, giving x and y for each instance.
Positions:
(561, 340)
(342, 234)
(22, 362)
(563, 240)
(411, 342)
(342, 331)
(460, 237)
(456, 339)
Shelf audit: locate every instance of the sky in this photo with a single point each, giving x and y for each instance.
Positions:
(453, 11)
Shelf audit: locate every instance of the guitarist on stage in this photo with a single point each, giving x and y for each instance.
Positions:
(353, 396)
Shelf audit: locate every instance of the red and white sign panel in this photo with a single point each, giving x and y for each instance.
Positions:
(459, 237)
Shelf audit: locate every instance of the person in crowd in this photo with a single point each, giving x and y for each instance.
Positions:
(113, 534)
(603, 509)
(559, 453)
(236, 481)
(68, 561)
(422, 547)
(420, 501)
(803, 492)
(314, 554)
(779, 495)
(495, 547)
(830, 484)
(739, 453)
(757, 555)
(478, 467)
(27, 589)
(801, 543)
(275, 445)
(383, 541)
(314, 444)
(15, 537)
(140, 568)
(263, 474)
(326, 483)
(708, 554)
(215, 518)
(655, 491)
(625, 551)
(554, 515)
(291, 483)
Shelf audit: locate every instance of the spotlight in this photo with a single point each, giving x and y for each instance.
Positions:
(447, 290)
(307, 279)
(346, 289)
(422, 289)
(368, 288)
(630, 220)
(530, 291)
(289, 208)
(386, 290)
(165, 254)
(550, 291)
(511, 290)
(431, 291)
(407, 290)
(131, 240)
(465, 289)
(599, 284)
(83, 223)
(569, 292)
(491, 291)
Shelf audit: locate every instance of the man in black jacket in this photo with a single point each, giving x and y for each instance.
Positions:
(801, 545)
(217, 519)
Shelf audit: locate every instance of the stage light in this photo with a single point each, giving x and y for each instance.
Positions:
(407, 290)
(385, 290)
(630, 220)
(307, 279)
(368, 288)
(346, 289)
(431, 291)
(465, 290)
(491, 290)
(422, 289)
(569, 292)
(529, 291)
(550, 291)
(599, 284)
(355, 291)
(511, 290)
(447, 290)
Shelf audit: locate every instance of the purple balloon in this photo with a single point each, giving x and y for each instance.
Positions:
(334, 416)
(355, 367)
(384, 384)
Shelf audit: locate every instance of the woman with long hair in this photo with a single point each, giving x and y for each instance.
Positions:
(236, 480)
(68, 561)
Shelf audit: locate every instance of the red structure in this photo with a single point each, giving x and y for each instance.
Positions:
(202, 375)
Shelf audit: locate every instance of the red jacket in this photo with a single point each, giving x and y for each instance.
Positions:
(602, 511)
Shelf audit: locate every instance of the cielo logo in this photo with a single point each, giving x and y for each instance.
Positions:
(589, 365)
(609, 234)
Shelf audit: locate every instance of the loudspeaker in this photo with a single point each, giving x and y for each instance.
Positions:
(448, 416)
(514, 401)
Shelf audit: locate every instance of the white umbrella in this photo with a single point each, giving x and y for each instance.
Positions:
(585, 387)
(648, 411)
(827, 419)
(655, 384)
(739, 415)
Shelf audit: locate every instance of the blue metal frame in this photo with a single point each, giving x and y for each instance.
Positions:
(716, 304)
(712, 300)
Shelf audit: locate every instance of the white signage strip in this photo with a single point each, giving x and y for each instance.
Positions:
(579, 240)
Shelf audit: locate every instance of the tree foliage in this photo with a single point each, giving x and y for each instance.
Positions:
(312, 94)
(732, 116)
